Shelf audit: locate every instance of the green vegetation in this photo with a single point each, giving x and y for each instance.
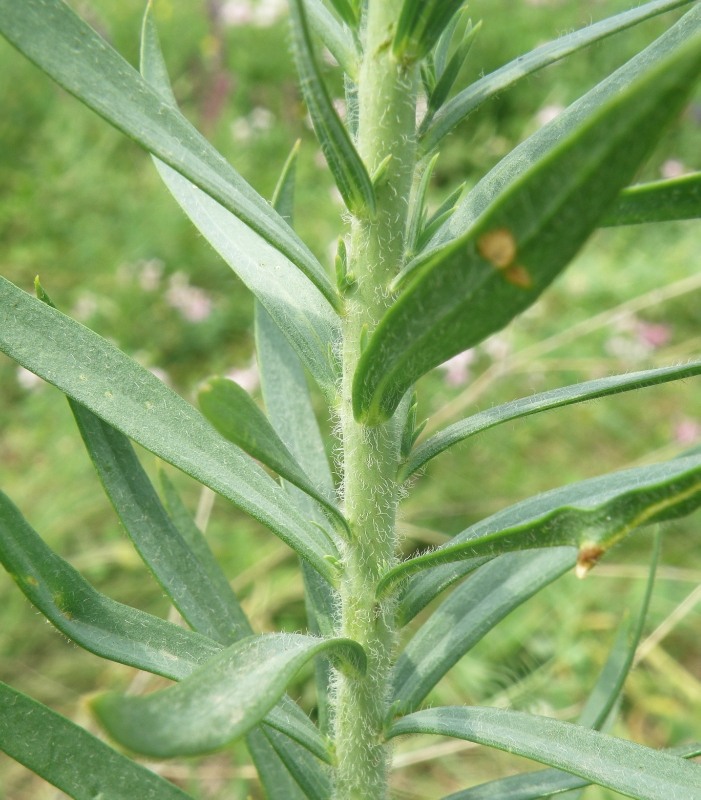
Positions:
(83, 208)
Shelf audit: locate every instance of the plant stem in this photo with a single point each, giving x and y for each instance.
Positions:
(387, 98)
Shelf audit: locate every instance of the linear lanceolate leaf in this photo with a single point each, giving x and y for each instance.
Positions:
(220, 701)
(521, 225)
(233, 413)
(660, 201)
(466, 101)
(311, 777)
(346, 166)
(115, 631)
(158, 542)
(467, 615)
(524, 222)
(70, 758)
(50, 34)
(591, 515)
(420, 25)
(289, 404)
(346, 11)
(601, 701)
(452, 69)
(603, 697)
(298, 307)
(198, 546)
(420, 589)
(286, 717)
(555, 398)
(335, 37)
(274, 775)
(98, 376)
(290, 410)
(94, 621)
(544, 783)
(623, 766)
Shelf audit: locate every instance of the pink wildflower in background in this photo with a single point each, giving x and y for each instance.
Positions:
(150, 274)
(687, 431)
(457, 368)
(673, 168)
(634, 339)
(261, 13)
(193, 303)
(247, 378)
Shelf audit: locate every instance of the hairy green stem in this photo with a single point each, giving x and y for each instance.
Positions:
(387, 99)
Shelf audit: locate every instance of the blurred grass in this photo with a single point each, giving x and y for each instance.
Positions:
(82, 206)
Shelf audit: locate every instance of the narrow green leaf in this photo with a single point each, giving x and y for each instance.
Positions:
(417, 209)
(291, 413)
(302, 312)
(661, 201)
(346, 166)
(591, 515)
(342, 46)
(289, 719)
(159, 543)
(520, 227)
(346, 12)
(464, 103)
(420, 25)
(70, 758)
(623, 766)
(441, 51)
(467, 615)
(536, 785)
(312, 778)
(115, 631)
(543, 401)
(420, 589)
(233, 413)
(603, 697)
(220, 701)
(451, 71)
(199, 547)
(543, 783)
(50, 34)
(440, 216)
(274, 775)
(98, 376)
(90, 619)
(197, 587)
(288, 402)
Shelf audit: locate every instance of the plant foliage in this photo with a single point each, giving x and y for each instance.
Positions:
(412, 290)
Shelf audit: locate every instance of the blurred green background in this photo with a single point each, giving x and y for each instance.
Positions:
(82, 207)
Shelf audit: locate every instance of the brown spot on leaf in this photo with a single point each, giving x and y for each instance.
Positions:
(518, 276)
(498, 247)
(587, 557)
